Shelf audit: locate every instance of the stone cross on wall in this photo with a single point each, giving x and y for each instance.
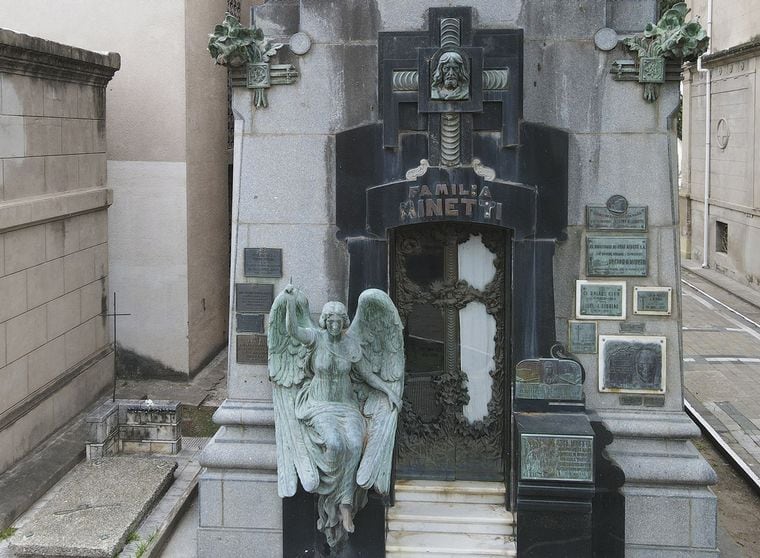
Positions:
(449, 82)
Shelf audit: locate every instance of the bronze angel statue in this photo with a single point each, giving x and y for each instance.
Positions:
(337, 394)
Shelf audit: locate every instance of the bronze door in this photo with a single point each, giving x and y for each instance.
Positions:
(450, 287)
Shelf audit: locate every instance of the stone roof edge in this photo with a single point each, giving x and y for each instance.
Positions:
(742, 50)
(33, 56)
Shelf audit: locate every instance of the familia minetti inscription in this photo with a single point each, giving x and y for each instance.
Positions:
(450, 200)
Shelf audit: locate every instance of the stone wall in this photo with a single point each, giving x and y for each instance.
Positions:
(55, 355)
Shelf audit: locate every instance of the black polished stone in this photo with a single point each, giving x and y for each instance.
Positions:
(302, 540)
(555, 517)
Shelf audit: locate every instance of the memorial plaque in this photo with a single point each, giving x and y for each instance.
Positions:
(250, 323)
(557, 458)
(616, 256)
(251, 349)
(581, 337)
(633, 327)
(252, 297)
(600, 300)
(262, 262)
(632, 364)
(599, 218)
(549, 378)
(654, 301)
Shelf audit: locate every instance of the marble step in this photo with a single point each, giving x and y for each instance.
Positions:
(408, 552)
(450, 491)
(448, 517)
(462, 543)
(443, 518)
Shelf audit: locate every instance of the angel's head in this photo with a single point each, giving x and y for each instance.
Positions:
(334, 318)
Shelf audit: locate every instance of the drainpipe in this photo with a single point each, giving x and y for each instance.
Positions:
(708, 111)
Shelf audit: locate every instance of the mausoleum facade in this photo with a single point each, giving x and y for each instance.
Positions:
(506, 173)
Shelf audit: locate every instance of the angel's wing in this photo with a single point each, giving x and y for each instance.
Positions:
(378, 327)
(288, 368)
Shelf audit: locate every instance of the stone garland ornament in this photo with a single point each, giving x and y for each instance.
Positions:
(337, 394)
(671, 38)
(235, 46)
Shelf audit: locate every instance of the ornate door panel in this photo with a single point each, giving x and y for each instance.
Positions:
(449, 284)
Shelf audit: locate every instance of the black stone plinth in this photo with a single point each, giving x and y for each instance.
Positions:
(555, 487)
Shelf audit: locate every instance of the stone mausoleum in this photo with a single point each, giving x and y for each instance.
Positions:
(506, 172)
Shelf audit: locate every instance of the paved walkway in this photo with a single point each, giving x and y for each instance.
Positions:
(721, 357)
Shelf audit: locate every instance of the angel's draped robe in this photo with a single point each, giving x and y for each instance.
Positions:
(336, 428)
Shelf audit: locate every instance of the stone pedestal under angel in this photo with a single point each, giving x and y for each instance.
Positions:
(337, 394)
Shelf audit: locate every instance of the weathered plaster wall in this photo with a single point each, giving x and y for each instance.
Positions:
(208, 211)
(167, 168)
(55, 352)
(734, 21)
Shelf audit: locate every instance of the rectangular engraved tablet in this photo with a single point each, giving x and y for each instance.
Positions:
(599, 218)
(632, 364)
(655, 301)
(262, 262)
(616, 256)
(556, 457)
(581, 337)
(250, 323)
(251, 349)
(600, 300)
(252, 297)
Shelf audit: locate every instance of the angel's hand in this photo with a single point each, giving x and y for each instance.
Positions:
(394, 400)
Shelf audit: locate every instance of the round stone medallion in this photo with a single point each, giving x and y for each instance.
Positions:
(300, 43)
(606, 39)
(617, 204)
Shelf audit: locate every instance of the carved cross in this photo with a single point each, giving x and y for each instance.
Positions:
(449, 81)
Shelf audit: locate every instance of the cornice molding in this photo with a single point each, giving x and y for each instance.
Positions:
(33, 56)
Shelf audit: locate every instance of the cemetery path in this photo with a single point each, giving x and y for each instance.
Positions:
(721, 366)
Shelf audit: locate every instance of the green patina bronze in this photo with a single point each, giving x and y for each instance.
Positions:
(671, 38)
(235, 46)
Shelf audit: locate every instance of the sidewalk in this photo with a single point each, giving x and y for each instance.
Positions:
(721, 359)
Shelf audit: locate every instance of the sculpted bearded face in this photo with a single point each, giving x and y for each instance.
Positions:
(450, 78)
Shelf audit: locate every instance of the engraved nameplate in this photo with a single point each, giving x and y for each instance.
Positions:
(262, 262)
(655, 301)
(599, 218)
(553, 457)
(603, 300)
(549, 378)
(251, 349)
(633, 327)
(616, 256)
(581, 337)
(250, 323)
(250, 297)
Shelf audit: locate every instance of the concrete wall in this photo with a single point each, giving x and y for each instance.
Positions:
(208, 211)
(55, 352)
(734, 178)
(167, 167)
(734, 21)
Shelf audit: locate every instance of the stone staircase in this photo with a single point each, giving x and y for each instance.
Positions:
(444, 518)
